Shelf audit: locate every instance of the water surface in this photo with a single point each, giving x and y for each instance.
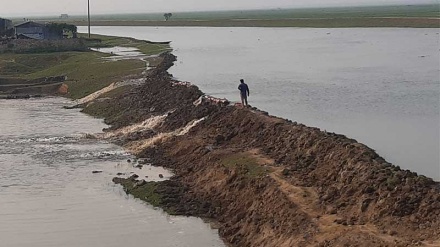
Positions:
(50, 197)
(380, 86)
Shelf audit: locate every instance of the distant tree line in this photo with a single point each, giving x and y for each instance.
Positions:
(61, 27)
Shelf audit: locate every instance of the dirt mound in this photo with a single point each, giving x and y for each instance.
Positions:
(268, 181)
(350, 177)
(156, 96)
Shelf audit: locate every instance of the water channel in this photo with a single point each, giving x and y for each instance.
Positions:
(380, 86)
(49, 195)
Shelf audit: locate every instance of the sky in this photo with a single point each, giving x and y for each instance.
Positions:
(23, 8)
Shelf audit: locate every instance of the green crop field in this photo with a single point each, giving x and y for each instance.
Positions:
(336, 12)
(274, 14)
(417, 16)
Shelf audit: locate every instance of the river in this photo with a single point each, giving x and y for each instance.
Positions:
(380, 86)
(49, 195)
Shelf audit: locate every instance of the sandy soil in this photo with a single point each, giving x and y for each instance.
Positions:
(266, 181)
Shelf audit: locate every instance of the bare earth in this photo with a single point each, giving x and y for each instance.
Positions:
(266, 181)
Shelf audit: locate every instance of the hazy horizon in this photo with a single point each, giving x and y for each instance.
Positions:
(99, 7)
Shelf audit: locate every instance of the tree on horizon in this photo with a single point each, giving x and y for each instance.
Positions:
(167, 16)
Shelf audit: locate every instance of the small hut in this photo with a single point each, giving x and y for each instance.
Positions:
(33, 30)
(5, 26)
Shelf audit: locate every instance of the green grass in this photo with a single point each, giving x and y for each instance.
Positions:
(87, 77)
(245, 164)
(111, 41)
(22, 65)
(99, 109)
(363, 16)
(86, 72)
(149, 192)
(104, 108)
(423, 10)
(146, 192)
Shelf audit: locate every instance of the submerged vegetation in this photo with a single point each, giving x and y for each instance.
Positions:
(144, 191)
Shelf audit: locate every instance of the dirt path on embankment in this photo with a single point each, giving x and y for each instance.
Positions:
(266, 181)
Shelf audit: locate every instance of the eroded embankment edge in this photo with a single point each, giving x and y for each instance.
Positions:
(267, 181)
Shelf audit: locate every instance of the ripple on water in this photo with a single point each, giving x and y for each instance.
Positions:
(50, 197)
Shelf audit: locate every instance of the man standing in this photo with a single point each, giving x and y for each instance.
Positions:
(244, 92)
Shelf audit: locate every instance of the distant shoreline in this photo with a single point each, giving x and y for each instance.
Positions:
(398, 22)
(412, 16)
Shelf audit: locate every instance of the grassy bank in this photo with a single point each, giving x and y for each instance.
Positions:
(146, 47)
(86, 72)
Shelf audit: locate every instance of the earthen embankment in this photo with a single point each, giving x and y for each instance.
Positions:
(264, 180)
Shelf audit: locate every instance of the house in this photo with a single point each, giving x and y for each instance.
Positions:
(5, 25)
(64, 16)
(33, 30)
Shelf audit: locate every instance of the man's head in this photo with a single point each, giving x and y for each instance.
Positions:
(241, 80)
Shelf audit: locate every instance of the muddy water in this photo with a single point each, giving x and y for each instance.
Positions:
(380, 86)
(50, 197)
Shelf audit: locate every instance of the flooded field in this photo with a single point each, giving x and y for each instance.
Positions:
(50, 195)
